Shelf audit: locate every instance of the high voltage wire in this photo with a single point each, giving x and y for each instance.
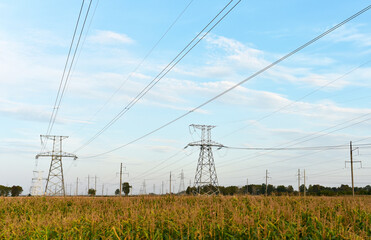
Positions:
(163, 73)
(310, 93)
(295, 143)
(70, 67)
(141, 62)
(242, 82)
(64, 80)
(64, 70)
(299, 99)
(336, 147)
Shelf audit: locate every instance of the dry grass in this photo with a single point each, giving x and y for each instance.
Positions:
(185, 218)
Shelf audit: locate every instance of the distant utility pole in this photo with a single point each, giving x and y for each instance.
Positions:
(162, 188)
(304, 184)
(89, 182)
(154, 188)
(55, 181)
(351, 164)
(299, 182)
(144, 187)
(181, 183)
(205, 176)
(77, 186)
(120, 180)
(102, 189)
(266, 182)
(121, 173)
(170, 182)
(247, 186)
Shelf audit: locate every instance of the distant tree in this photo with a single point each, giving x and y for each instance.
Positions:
(302, 188)
(290, 189)
(91, 192)
(126, 188)
(16, 191)
(4, 191)
(117, 192)
(281, 189)
(190, 190)
(271, 189)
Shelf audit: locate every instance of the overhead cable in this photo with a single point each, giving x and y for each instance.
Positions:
(240, 83)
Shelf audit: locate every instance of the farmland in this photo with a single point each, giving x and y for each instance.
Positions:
(187, 217)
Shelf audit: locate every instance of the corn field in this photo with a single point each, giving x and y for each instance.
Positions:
(185, 217)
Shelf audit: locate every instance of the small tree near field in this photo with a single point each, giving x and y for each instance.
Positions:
(91, 192)
(16, 191)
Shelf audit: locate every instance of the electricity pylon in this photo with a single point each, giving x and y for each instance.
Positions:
(55, 181)
(206, 180)
(37, 181)
(181, 183)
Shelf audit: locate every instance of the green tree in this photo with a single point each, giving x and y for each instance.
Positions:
(117, 192)
(4, 191)
(91, 192)
(16, 191)
(126, 188)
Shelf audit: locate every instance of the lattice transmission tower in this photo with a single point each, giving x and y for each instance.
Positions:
(37, 183)
(181, 183)
(55, 181)
(206, 180)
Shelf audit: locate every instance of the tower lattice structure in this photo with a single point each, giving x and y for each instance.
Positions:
(37, 182)
(206, 180)
(181, 183)
(55, 181)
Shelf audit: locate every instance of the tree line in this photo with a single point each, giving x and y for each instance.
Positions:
(14, 191)
(260, 189)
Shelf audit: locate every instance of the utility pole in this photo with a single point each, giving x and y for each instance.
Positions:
(154, 188)
(247, 186)
(55, 181)
(120, 180)
(170, 183)
(299, 182)
(89, 182)
(162, 188)
(181, 183)
(121, 173)
(102, 189)
(351, 164)
(266, 182)
(304, 184)
(77, 186)
(205, 177)
(95, 185)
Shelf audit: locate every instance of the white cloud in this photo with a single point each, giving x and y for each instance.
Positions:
(352, 34)
(109, 37)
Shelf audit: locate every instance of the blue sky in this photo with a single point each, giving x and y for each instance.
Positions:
(335, 72)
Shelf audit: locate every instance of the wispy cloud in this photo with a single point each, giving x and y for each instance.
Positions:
(109, 37)
(352, 34)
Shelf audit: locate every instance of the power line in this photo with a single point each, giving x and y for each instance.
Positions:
(309, 139)
(64, 71)
(300, 98)
(70, 67)
(340, 147)
(242, 82)
(141, 62)
(163, 73)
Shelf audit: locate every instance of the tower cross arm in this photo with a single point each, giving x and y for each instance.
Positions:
(59, 154)
(211, 144)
